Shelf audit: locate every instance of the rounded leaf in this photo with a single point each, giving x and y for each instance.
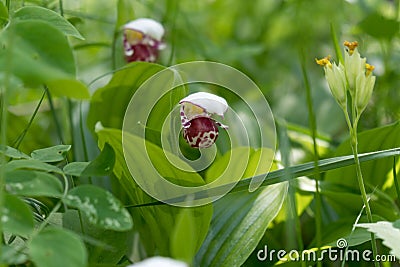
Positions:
(100, 207)
(55, 247)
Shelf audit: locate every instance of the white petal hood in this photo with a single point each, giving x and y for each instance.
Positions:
(209, 102)
(148, 27)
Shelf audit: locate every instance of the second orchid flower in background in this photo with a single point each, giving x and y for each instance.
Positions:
(143, 40)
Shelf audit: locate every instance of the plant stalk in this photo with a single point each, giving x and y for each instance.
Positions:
(360, 179)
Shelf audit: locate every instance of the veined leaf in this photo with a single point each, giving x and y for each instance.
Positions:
(100, 207)
(388, 232)
(49, 16)
(16, 216)
(155, 224)
(57, 247)
(33, 183)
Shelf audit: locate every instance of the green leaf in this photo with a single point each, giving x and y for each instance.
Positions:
(33, 183)
(239, 222)
(101, 207)
(379, 27)
(104, 246)
(387, 232)
(279, 176)
(31, 164)
(376, 172)
(103, 164)
(184, 236)
(54, 247)
(68, 88)
(51, 154)
(17, 217)
(120, 89)
(12, 152)
(100, 166)
(75, 168)
(40, 53)
(47, 15)
(155, 224)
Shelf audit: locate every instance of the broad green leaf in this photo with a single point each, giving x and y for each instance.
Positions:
(39, 52)
(69, 88)
(16, 217)
(184, 236)
(109, 103)
(103, 164)
(12, 152)
(155, 224)
(51, 154)
(100, 166)
(33, 183)
(375, 173)
(103, 246)
(31, 164)
(239, 222)
(379, 27)
(54, 247)
(240, 219)
(387, 232)
(47, 15)
(100, 207)
(75, 168)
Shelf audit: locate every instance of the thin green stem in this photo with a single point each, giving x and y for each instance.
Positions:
(60, 3)
(313, 126)
(336, 44)
(360, 179)
(21, 137)
(85, 152)
(83, 139)
(396, 183)
(8, 5)
(3, 140)
(114, 50)
(71, 125)
(53, 112)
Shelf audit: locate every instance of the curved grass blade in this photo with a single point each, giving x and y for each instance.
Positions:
(278, 176)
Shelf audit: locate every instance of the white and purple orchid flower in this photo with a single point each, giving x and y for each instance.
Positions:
(199, 129)
(143, 40)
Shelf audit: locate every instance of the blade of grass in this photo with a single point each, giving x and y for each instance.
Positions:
(336, 44)
(21, 137)
(313, 126)
(293, 226)
(278, 176)
(396, 182)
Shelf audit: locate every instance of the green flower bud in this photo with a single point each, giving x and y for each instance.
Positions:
(336, 78)
(353, 65)
(364, 87)
(337, 82)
